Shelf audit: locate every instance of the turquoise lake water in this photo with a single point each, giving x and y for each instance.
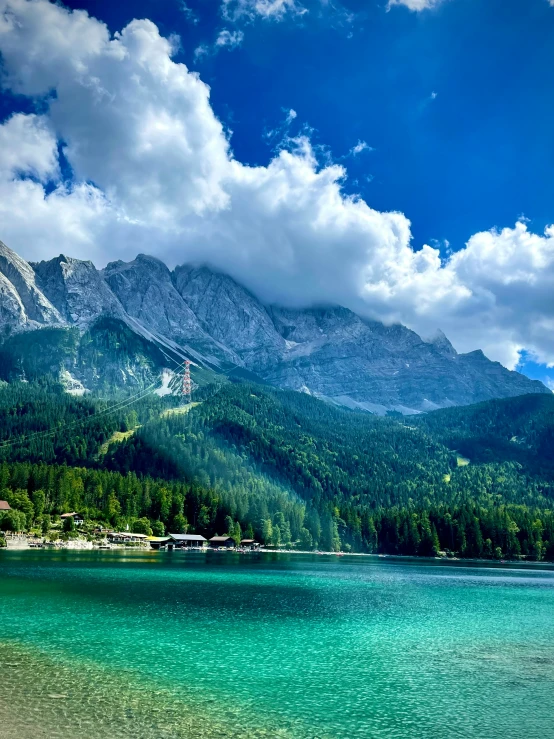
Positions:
(104, 644)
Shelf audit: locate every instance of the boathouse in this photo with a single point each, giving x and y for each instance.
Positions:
(250, 544)
(189, 541)
(159, 542)
(126, 537)
(222, 541)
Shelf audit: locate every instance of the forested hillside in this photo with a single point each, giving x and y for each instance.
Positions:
(108, 356)
(290, 469)
(40, 422)
(514, 430)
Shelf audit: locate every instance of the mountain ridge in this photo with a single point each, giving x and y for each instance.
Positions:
(328, 351)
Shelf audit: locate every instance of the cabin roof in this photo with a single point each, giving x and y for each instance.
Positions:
(71, 515)
(159, 538)
(187, 537)
(221, 538)
(4, 506)
(128, 533)
(248, 541)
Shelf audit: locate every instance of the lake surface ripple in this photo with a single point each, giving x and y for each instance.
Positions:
(103, 644)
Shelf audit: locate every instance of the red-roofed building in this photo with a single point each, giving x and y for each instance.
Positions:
(4, 505)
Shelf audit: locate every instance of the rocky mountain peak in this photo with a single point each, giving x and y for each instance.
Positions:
(442, 344)
(476, 355)
(21, 275)
(76, 289)
(144, 262)
(328, 351)
(231, 314)
(146, 290)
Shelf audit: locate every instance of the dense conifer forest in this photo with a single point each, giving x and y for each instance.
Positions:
(284, 467)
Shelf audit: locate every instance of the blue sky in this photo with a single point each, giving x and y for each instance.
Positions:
(450, 109)
(480, 154)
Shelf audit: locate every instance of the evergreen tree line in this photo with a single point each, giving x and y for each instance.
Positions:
(38, 493)
(41, 422)
(286, 468)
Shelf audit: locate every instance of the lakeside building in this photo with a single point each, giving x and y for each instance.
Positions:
(249, 544)
(196, 541)
(77, 518)
(4, 506)
(125, 537)
(159, 542)
(222, 541)
(189, 541)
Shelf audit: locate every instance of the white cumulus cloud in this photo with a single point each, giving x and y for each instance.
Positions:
(225, 40)
(359, 147)
(154, 172)
(28, 147)
(235, 10)
(230, 39)
(417, 5)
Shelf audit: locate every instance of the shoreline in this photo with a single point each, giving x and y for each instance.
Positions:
(85, 546)
(416, 557)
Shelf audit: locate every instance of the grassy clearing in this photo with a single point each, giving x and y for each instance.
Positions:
(462, 461)
(116, 438)
(179, 411)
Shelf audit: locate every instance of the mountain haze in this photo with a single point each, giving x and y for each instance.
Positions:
(327, 351)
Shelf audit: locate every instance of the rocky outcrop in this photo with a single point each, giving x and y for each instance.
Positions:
(146, 291)
(77, 290)
(231, 315)
(442, 344)
(21, 275)
(335, 354)
(492, 380)
(12, 310)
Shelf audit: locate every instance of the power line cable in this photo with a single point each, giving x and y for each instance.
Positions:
(120, 405)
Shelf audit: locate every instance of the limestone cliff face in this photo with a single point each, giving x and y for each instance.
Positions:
(328, 351)
(231, 315)
(12, 310)
(21, 301)
(333, 353)
(360, 363)
(77, 290)
(146, 291)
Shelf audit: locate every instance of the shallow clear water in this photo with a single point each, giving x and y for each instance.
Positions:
(213, 645)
